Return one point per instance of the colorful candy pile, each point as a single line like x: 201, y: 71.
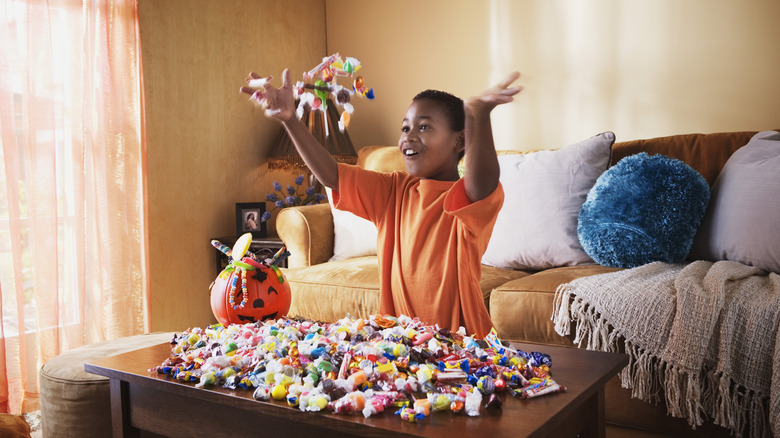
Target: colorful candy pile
x: 359, y: 365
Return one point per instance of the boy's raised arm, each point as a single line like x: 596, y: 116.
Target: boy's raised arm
x: 480, y: 161
x: 279, y: 104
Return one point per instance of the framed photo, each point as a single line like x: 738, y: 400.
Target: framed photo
x: 248, y: 216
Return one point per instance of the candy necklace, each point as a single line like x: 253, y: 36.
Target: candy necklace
x: 244, y: 296
x: 239, y: 250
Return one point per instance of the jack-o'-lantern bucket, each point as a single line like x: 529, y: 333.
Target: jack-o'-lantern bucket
x: 248, y: 290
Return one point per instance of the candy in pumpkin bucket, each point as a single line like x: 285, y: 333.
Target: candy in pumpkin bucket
x: 248, y: 289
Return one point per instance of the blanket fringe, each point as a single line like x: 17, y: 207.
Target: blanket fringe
x: 686, y: 395
x: 561, y: 303
x: 734, y: 407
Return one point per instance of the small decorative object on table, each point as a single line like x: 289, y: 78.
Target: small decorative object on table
x: 249, y: 219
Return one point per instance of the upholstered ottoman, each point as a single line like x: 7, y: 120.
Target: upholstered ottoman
x: 75, y: 403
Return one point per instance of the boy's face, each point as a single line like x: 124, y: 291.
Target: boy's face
x: 428, y: 143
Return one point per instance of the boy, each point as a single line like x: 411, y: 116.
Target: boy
x: 433, y: 226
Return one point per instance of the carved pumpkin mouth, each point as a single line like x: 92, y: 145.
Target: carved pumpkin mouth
x: 248, y: 318
x: 262, y: 295
x: 258, y: 303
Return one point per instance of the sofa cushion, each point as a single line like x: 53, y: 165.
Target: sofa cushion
x: 537, y: 225
x: 521, y: 309
x: 741, y: 222
x: 646, y: 208
x: 328, y: 291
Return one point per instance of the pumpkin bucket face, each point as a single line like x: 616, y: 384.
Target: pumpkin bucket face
x: 267, y: 294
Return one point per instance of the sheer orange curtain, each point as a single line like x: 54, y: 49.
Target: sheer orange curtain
x: 73, y: 268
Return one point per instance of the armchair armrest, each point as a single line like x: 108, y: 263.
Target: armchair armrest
x: 307, y: 231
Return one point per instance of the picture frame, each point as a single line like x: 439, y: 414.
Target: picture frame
x: 248, y: 216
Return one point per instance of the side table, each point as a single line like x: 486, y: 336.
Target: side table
x: 263, y: 247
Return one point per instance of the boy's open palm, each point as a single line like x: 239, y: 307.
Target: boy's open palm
x: 278, y: 103
x: 496, y: 95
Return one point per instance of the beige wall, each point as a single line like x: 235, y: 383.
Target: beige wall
x: 638, y: 68
x: 206, y: 144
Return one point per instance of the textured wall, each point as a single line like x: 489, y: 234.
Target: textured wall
x: 206, y: 144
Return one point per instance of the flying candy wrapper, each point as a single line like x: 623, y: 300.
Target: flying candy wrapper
x: 322, y: 81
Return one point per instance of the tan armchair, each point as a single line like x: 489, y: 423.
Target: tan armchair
x: 307, y: 231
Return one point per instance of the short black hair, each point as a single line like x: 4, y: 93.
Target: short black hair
x: 452, y: 105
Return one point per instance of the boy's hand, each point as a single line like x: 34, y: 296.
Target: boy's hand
x: 481, y: 163
x: 496, y: 95
x: 278, y: 103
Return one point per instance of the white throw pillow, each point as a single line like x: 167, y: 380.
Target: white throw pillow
x: 353, y: 235
x: 543, y: 194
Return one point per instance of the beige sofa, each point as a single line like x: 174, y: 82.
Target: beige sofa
x: 520, y: 301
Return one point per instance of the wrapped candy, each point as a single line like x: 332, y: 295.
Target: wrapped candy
x: 279, y: 392
x: 321, y: 82
x: 358, y: 378
x: 440, y: 402
x: 542, y: 390
x: 378, y: 402
x: 473, y: 400
x: 486, y: 385
x: 317, y: 402
x: 352, y: 402
x: 494, y: 402
x: 410, y: 415
x: 262, y: 392
x: 359, y: 365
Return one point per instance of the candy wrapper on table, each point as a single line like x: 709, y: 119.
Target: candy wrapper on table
x: 360, y: 366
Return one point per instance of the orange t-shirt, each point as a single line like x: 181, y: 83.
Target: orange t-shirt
x: 430, y: 244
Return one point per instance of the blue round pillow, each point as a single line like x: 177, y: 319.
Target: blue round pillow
x: 645, y: 208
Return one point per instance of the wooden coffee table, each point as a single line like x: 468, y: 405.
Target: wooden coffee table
x: 144, y: 400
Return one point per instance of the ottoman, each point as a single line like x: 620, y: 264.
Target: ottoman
x: 75, y: 403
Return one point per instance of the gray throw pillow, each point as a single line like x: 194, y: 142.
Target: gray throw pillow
x: 543, y: 193
x: 742, y: 223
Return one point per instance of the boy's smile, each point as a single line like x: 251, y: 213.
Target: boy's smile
x: 428, y: 143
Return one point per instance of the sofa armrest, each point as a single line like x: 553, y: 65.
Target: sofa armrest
x: 307, y: 231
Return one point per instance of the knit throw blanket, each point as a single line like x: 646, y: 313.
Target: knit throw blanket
x: 701, y: 336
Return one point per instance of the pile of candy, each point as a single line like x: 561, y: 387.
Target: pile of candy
x: 359, y: 365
